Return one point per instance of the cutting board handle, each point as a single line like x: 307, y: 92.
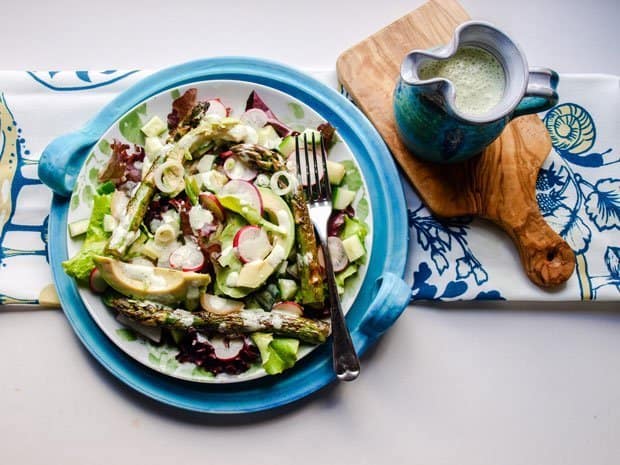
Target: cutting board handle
x: 547, y: 258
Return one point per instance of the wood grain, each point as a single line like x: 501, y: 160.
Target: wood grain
x: 498, y: 185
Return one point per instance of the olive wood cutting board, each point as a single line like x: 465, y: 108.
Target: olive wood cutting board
x: 499, y: 185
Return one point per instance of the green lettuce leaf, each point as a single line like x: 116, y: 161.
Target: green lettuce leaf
x: 352, y: 178
x: 277, y: 353
x: 342, y: 276
x: 81, y: 265
x: 354, y: 226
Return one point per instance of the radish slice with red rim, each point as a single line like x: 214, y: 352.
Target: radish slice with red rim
x: 254, y: 117
x: 245, y: 191
x: 96, y: 282
x: 321, y: 257
x: 337, y: 253
x: 216, y: 108
x: 290, y: 307
x: 236, y: 169
x: 252, y: 243
x: 227, y: 348
x: 187, y: 258
x: 214, y: 304
x: 211, y: 203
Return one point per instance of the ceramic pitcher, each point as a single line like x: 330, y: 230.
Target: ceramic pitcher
x: 426, y: 117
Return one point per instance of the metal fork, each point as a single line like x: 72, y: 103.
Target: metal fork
x: 319, y: 199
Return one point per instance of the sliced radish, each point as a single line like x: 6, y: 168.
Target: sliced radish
x: 252, y: 243
x: 291, y: 164
x: 255, y: 118
x: 227, y: 348
x: 211, y: 203
x: 217, y: 108
x: 246, y: 192
x: 236, y: 169
x: 290, y: 307
x: 214, y: 304
x: 321, y: 257
x: 187, y: 258
x: 337, y: 253
x: 96, y: 282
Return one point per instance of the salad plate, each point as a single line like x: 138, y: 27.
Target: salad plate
x: 145, y: 344
x: 375, y: 300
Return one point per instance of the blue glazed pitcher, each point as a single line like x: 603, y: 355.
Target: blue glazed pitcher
x: 427, y: 119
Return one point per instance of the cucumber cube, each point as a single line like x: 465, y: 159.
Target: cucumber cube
x: 206, y: 163
x: 342, y: 198
x: 155, y: 127
x: 287, y: 146
x: 288, y: 288
x: 353, y: 247
x: 335, y: 172
x: 152, y: 147
x: 77, y: 228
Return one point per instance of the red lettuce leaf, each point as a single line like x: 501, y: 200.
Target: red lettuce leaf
x: 182, y: 107
x: 254, y: 101
x: 121, y: 166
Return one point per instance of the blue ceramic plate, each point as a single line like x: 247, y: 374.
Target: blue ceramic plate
x: 383, y: 294
x: 234, y: 94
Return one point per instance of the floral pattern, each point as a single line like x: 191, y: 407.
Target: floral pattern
x: 575, y: 206
x: 16, y: 162
x: 64, y: 81
x: 450, y: 257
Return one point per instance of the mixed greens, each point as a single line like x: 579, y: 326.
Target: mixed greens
x: 199, y: 237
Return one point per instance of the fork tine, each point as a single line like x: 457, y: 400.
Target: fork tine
x: 326, y: 184
x: 320, y: 194
x: 308, y: 178
x: 298, y: 165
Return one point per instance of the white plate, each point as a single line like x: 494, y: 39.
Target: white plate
x: 234, y: 95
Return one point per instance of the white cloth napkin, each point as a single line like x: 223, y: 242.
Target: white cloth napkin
x: 578, y: 190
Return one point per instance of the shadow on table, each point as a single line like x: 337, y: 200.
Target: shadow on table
x: 329, y: 397
x: 581, y: 309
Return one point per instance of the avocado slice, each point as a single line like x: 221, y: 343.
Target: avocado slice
x: 278, y: 212
x: 152, y: 283
x: 254, y: 274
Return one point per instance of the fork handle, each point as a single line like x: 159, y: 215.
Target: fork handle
x: 346, y: 362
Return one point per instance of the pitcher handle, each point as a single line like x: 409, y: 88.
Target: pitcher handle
x: 540, y: 94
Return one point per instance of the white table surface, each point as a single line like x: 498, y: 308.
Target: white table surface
x: 459, y: 384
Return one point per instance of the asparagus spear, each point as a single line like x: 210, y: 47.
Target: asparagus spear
x: 311, y: 291
x: 244, y: 321
x: 260, y: 157
x: 124, y: 235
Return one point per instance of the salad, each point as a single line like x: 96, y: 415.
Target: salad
x: 199, y: 237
